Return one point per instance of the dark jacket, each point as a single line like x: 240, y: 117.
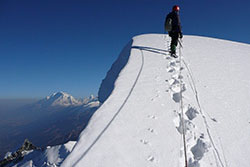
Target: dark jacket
x: 176, y: 24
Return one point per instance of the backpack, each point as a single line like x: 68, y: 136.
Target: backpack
x: 168, y: 24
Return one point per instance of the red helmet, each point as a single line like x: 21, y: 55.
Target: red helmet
x: 176, y: 8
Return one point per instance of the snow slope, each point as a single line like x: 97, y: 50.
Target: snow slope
x: 140, y: 122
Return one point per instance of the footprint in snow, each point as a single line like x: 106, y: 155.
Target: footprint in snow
x: 193, y: 163
x: 144, y: 142
x: 151, y: 130
x: 213, y: 119
x: 177, y: 76
x: 176, y: 97
x: 170, y: 69
x: 151, y: 158
x: 199, y: 149
x: 179, y: 68
x: 188, y: 125
x: 191, y: 112
x: 152, y: 117
x: 172, y: 63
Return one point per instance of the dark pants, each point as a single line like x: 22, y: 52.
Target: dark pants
x: 174, y: 41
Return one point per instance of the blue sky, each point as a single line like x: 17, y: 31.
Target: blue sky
x: 63, y: 45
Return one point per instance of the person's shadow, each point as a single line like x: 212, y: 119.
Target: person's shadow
x: 150, y: 49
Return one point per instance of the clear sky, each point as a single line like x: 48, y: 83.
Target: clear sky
x: 68, y: 45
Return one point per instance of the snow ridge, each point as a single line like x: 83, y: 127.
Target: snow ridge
x: 147, y: 130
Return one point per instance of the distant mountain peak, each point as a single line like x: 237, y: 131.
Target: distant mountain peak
x: 89, y: 99
x: 60, y: 99
x: 61, y: 93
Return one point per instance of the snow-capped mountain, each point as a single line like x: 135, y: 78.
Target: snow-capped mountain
x: 151, y: 102
x: 60, y: 99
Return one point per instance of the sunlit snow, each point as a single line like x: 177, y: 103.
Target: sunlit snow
x: 139, y: 124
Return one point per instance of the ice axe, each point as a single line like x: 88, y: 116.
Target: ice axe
x: 180, y: 42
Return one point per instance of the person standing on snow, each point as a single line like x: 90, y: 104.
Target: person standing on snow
x: 173, y: 26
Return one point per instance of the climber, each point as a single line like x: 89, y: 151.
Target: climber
x: 173, y: 26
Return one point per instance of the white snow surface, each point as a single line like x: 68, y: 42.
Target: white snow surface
x: 140, y: 122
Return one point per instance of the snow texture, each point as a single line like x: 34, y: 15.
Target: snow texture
x: 141, y: 123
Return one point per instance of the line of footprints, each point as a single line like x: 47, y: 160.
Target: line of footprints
x: 150, y: 158
x: 196, y: 143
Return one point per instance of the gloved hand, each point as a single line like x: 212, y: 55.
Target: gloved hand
x: 180, y: 35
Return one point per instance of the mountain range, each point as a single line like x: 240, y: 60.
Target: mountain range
x: 54, y: 120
